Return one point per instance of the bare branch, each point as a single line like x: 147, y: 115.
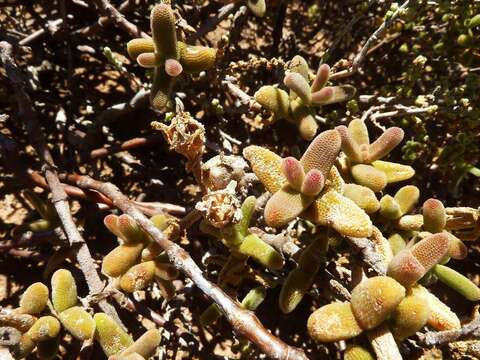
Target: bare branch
x: 59, y: 197
x: 243, y: 321
x: 109, y: 11
x: 360, y: 57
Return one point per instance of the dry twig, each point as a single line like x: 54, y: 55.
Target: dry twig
x: 243, y: 321
x: 59, y: 197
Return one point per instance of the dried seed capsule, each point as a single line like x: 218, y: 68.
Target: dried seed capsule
x: 78, y: 322
x: 274, y: 99
x: 363, y: 196
x: 393, y: 171
x: 47, y: 350
x: 333, y: 322
x: 407, y: 197
x: 64, y: 290
x: 34, y: 299
x: 389, y: 208
x: 441, y: 317
x: 385, y: 143
x: 138, y: 277
x: 357, y: 352
x: 434, y: 216
x: 136, y: 47
x: 120, y: 259
x: 370, y: 177
x: 110, y: 335
x: 261, y: 252
x: 457, y: 282
x: 24, y: 347
x: 375, y: 299
x: 299, y: 85
x: 45, y: 328
x: 410, y: 316
x: 145, y: 345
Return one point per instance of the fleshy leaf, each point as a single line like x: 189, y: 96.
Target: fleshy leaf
x: 394, y: 172
x: 341, y: 213
x: 267, y: 166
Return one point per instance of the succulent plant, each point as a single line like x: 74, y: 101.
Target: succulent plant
x: 410, y: 316
x: 411, y: 264
x: 374, y: 299
x: 441, y: 316
x: 78, y: 322
x: 301, y: 278
x: 138, y: 261
x: 112, y: 338
x: 64, y: 290
x: 357, y: 352
x: 48, y: 221
x: 167, y: 56
x: 45, y: 328
x: 329, y: 207
x: 372, y: 302
x: 333, y: 322
x: 34, y: 299
x: 457, y: 282
x: 251, y: 301
x: 238, y: 238
x: 298, y: 106
x: 365, y: 165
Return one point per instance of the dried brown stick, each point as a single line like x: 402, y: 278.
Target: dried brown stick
x: 102, y: 21
x: 108, y: 10
x: 59, y: 197
x: 360, y: 57
x: 243, y: 321
x: 126, y: 145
